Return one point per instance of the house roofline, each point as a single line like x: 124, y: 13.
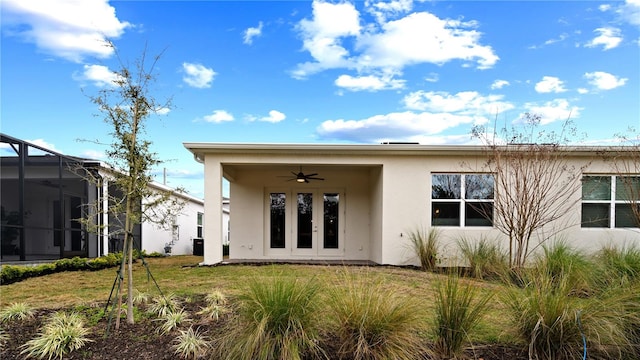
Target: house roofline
x: 199, y: 149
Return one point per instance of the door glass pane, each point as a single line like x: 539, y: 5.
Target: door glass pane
x: 277, y: 207
x: 305, y: 220
x: 596, y: 188
x: 331, y: 211
x: 595, y: 215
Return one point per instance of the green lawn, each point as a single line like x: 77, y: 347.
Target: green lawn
x: 182, y: 276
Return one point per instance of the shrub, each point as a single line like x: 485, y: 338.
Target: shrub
x: 12, y: 273
x: 618, y: 266
x: 164, y: 304
x: 562, y: 263
x: 190, y: 344
x: 277, y: 320
x: 425, y: 245
x: 16, y: 311
x: 555, y: 324
x: 485, y: 258
x: 369, y: 321
x: 61, y: 334
x: 458, y: 310
x: 172, y: 320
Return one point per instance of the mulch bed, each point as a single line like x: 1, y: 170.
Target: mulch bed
x: 141, y: 341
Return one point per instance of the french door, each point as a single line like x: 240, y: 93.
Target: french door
x: 307, y: 222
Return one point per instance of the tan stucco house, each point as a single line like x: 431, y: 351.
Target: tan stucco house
x: 358, y: 202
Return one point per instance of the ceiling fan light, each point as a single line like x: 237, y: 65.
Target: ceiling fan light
x: 300, y: 179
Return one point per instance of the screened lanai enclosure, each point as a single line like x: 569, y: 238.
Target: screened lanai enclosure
x: 44, y: 195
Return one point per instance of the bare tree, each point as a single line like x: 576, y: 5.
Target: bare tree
x: 535, y: 184
x: 126, y: 106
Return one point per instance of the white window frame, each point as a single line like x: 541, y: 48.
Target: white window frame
x: 462, y: 201
x: 612, y: 202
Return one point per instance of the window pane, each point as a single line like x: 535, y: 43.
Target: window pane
x: 278, y: 203
x: 628, y: 188
x: 478, y: 186
x: 445, y: 186
x: 478, y: 214
x: 596, y: 188
x: 625, y: 217
x: 200, y: 218
x: 305, y: 220
x: 331, y: 209
x: 445, y: 213
x: 595, y: 215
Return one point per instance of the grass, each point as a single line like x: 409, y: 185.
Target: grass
x: 485, y: 258
x: 17, y: 311
x: 459, y: 309
x: 61, y: 334
x: 278, y: 319
x: 190, y: 344
x: 373, y: 321
x: 425, y: 244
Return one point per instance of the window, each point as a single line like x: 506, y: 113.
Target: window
x: 462, y: 199
x: 608, y: 201
x: 277, y: 207
x: 199, y: 231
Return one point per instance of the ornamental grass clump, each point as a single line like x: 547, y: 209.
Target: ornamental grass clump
x: 62, y: 333
x: 190, y: 344
x: 459, y: 307
x: 172, y: 320
x: 561, y: 262
x: 370, y: 321
x: 164, y: 304
x: 424, y: 243
x: 277, y: 319
x: 618, y: 266
x: 557, y: 324
x: 485, y: 258
x: 17, y: 311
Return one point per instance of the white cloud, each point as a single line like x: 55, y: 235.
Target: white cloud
x: 43, y: 144
x: 583, y: 91
x: 433, y: 77
x: 252, y: 32
x: 99, y: 75
x: 197, y: 75
x: 604, y: 81
x: 71, y: 29
x: 630, y: 12
x: 550, y: 84
x: 554, y: 110
x: 162, y: 111
x: 424, y: 38
x: 609, y: 38
x: 604, y: 7
x: 218, y: 116
x: 387, y: 46
x: 391, y: 127
x: 275, y: 116
x: 321, y: 36
x: 465, y: 103
x: 94, y: 154
x: 499, y: 84
x: 369, y: 82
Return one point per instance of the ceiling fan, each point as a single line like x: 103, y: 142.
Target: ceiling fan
x: 302, y: 177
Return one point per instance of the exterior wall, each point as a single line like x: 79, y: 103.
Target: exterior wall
x: 386, y: 195
x: 155, y: 238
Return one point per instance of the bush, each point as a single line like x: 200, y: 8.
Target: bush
x: 278, y: 319
x: 618, y: 266
x: 61, y: 334
x: 485, y: 258
x: 425, y: 245
x: 555, y: 324
x: 372, y: 322
x: 190, y: 344
x: 16, y: 311
x: 562, y: 263
x: 459, y: 308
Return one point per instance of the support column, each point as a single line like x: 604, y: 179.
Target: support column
x: 105, y: 215
x: 213, y: 230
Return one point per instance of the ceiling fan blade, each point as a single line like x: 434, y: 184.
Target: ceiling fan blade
x: 314, y: 178
x: 310, y: 175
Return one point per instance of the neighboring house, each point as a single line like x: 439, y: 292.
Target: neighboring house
x: 43, y: 193
x: 366, y: 198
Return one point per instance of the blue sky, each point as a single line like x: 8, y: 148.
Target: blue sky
x: 319, y: 71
